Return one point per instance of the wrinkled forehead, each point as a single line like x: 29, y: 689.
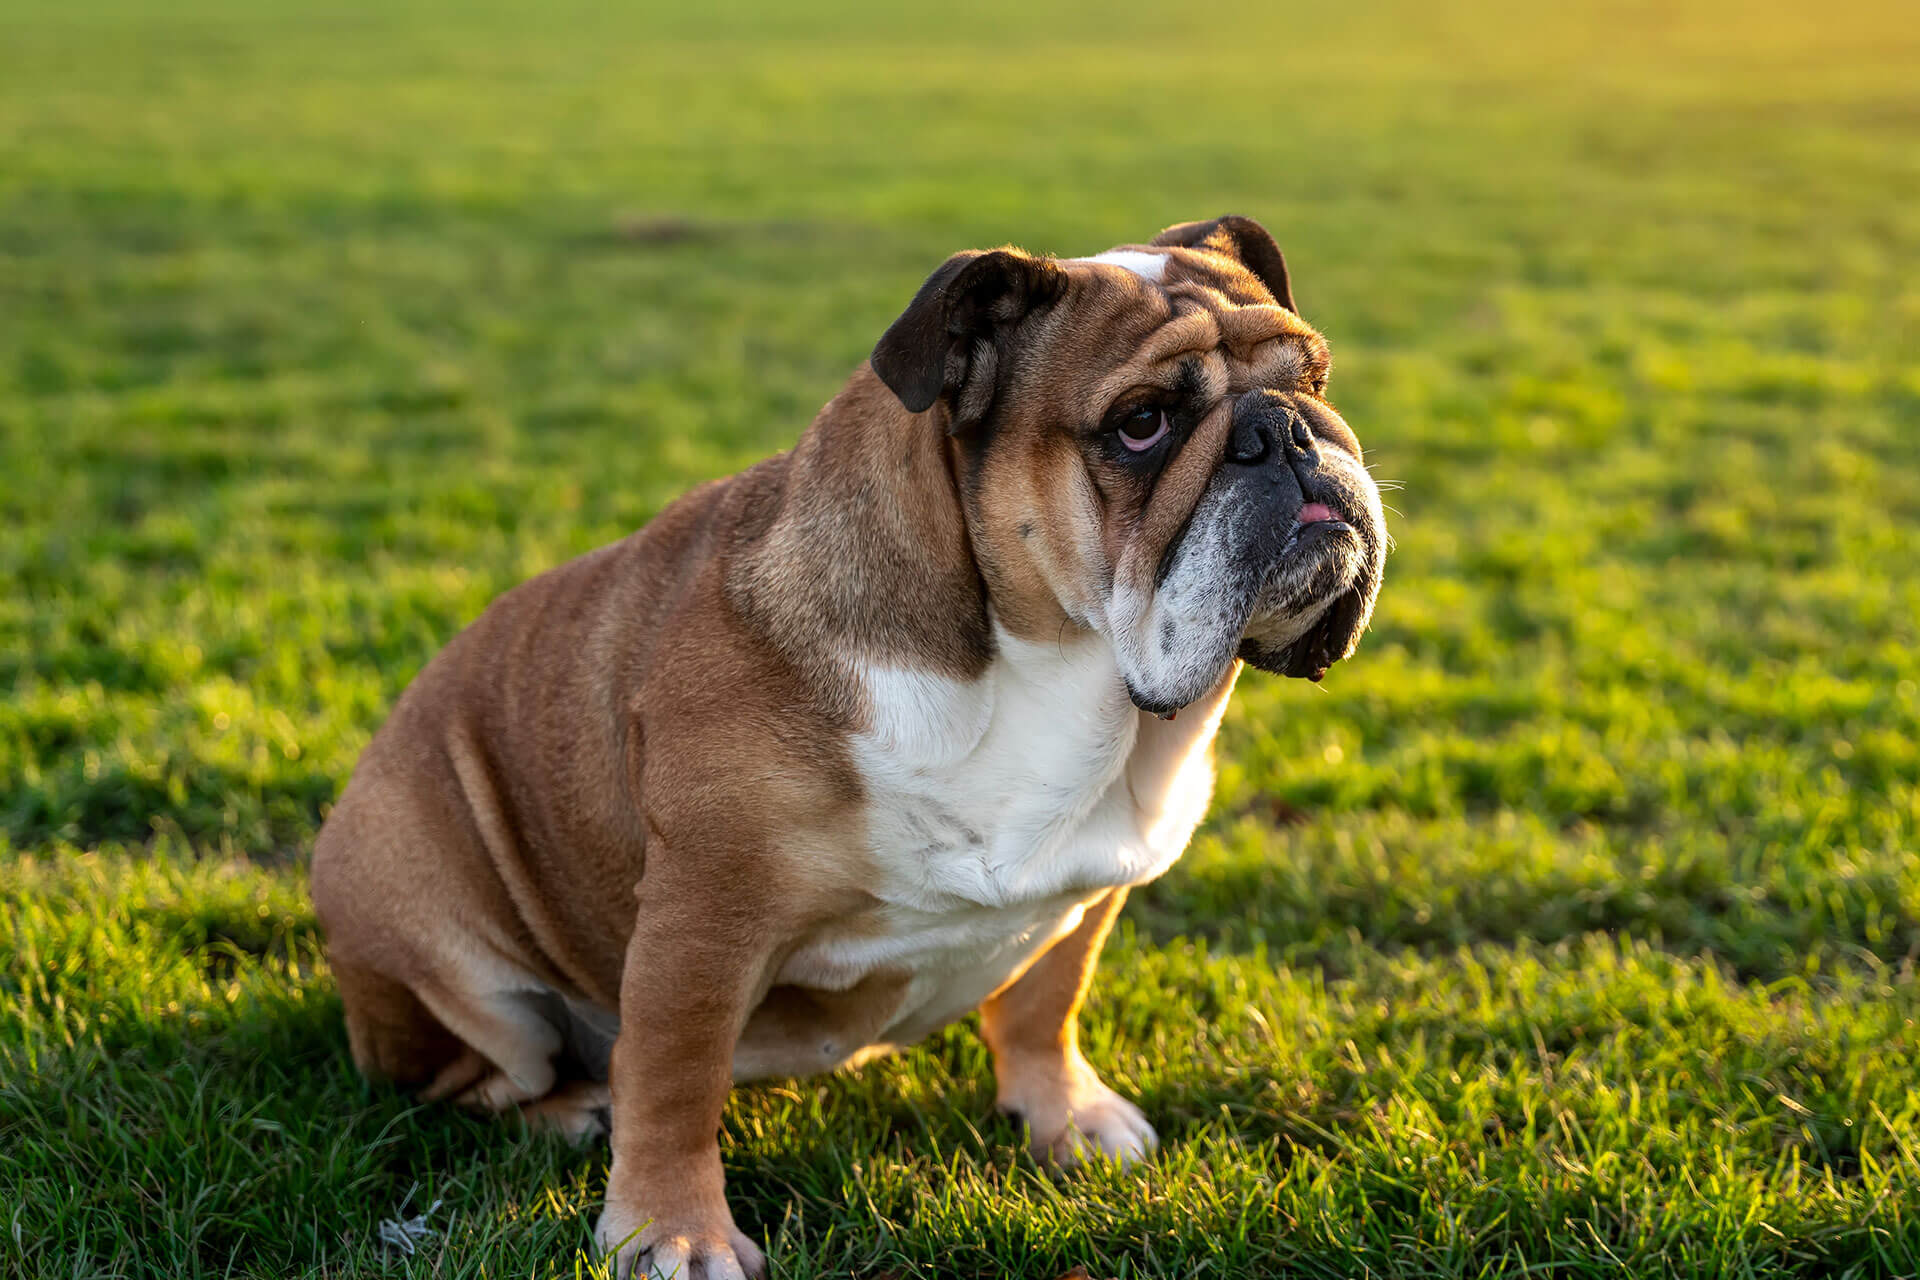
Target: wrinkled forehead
x: 1145, y: 314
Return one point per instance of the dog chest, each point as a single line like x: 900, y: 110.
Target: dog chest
x: 996, y: 811
x: 1038, y: 779
x: 888, y: 978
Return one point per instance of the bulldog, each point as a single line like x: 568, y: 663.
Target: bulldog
x: 869, y: 736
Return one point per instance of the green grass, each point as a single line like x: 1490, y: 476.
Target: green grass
x: 1568, y: 930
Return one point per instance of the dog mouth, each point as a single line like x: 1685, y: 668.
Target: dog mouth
x: 1260, y: 571
x: 1317, y: 555
x: 1317, y: 530
x: 1317, y: 517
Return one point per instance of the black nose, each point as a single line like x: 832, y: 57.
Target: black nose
x: 1262, y: 420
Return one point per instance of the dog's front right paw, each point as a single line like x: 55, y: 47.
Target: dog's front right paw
x: 645, y: 1248
x: 1071, y: 1115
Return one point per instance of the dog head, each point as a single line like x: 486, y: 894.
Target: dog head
x: 1144, y: 449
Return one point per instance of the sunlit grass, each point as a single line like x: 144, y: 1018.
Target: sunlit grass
x: 1569, y: 928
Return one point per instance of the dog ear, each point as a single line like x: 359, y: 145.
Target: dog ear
x: 1242, y: 239
x: 948, y: 343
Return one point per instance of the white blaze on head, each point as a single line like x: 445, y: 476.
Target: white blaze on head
x: 1148, y: 266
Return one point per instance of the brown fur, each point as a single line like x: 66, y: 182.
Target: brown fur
x: 628, y: 785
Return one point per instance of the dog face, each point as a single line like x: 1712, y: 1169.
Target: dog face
x: 1144, y: 449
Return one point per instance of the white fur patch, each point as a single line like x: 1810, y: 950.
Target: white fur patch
x: 919, y: 719
x: 1003, y: 771
x: 1148, y: 266
x: 997, y: 809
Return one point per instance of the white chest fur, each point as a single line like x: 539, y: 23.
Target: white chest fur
x: 997, y: 809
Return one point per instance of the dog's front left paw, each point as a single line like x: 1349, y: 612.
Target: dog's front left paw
x: 647, y: 1249
x: 1074, y: 1116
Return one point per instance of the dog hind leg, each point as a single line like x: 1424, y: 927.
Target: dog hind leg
x: 579, y: 1112
x: 392, y: 1034
x: 489, y: 1051
x: 507, y: 1029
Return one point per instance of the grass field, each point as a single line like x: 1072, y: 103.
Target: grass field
x: 1568, y: 930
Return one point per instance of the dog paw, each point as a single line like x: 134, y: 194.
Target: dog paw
x: 648, y: 1250
x: 1083, y: 1121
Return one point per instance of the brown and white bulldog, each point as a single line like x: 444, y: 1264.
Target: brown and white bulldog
x: 871, y: 735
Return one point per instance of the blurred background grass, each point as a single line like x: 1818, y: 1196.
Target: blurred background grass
x: 1570, y: 924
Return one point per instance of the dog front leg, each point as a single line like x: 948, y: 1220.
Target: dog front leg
x: 693, y: 968
x: 1032, y: 1026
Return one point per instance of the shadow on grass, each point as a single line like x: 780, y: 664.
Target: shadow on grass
x: 1763, y: 931
x: 91, y: 803
x: 246, y: 1142
x: 182, y: 1091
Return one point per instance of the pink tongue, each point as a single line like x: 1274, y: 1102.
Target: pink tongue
x: 1315, y: 512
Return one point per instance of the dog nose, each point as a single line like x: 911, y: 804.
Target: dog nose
x: 1300, y: 435
x: 1247, y: 442
x: 1263, y: 419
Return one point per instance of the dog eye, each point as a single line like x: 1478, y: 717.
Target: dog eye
x: 1142, y: 429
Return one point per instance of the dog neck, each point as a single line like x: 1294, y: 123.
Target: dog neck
x: 860, y: 550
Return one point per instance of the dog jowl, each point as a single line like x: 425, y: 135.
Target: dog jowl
x: 869, y: 736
